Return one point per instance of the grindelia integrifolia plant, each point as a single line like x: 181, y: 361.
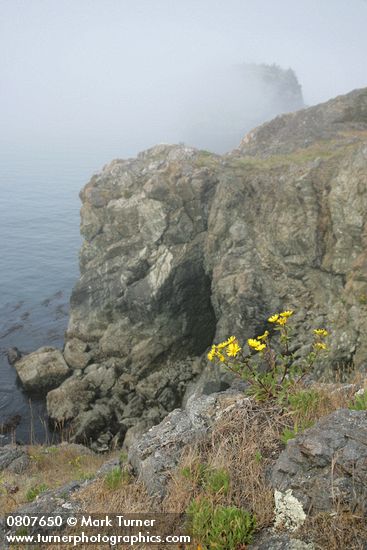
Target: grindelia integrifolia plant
x: 270, y: 374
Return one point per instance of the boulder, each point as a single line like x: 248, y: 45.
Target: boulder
x: 268, y: 539
x: 42, y: 370
x: 14, y: 459
x: 100, y: 378
x: 13, y: 355
x: 67, y: 401
x: 92, y: 423
x: 325, y: 467
x: 76, y: 354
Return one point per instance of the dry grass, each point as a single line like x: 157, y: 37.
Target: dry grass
x: 336, y: 531
x: 328, y: 398
x: 244, y: 443
x: 97, y: 499
x: 50, y: 466
x: 130, y: 497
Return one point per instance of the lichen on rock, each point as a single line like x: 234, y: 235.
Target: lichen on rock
x: 289, y: 513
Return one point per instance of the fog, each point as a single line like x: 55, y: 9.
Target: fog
x: 112, y: 77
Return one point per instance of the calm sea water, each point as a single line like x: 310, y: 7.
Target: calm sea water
x: 39, y: 243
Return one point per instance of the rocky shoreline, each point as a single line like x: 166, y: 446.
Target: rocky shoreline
x: 183, y: 248
x: 27, y: 326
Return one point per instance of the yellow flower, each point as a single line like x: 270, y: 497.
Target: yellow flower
x: 263, y: 336
x: 321, y: 332
x: 260, y: 347
x: 252, y: 343
x: 255, y: 344
x: 286, y: 313
x: 222, y: 345
x: 233, y: 349
x: 230, y: 340
x: 274, y: 318
x: 320, y: 345
x: 281, y: 321
x: 212, y: 353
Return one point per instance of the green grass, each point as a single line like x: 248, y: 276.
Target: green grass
x: 323, y: 149
x: 359, y: 402
x: 304, y: 402
x: 220, y: 527
x: 288, y: 433
x: 205, y: 159
x: 35, y: 491
x: 216, y: 481
x: 213, y: 480
x: 116, y: 477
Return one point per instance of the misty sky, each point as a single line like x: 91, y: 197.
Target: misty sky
x: 123, y: 73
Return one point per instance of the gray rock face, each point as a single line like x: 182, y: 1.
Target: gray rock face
x: 13, y: 458
x: 270, y: 540
x: 42, y: 370
x: 326, y: 466
x: 327, y: 121
x: 76, y: 354
x: 67, y: 401
x: 158, y: 451
x: 13, y: 355
x: 182, y: 247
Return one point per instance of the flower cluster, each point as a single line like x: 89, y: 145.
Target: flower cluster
x: 229, y: 347
x: 319, y: 344
x: 272, y: 371
x: 321, y: 332
x: 258, y: 344
x: 280, y: 318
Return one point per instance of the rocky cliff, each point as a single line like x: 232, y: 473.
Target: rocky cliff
x: 183, y: 247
